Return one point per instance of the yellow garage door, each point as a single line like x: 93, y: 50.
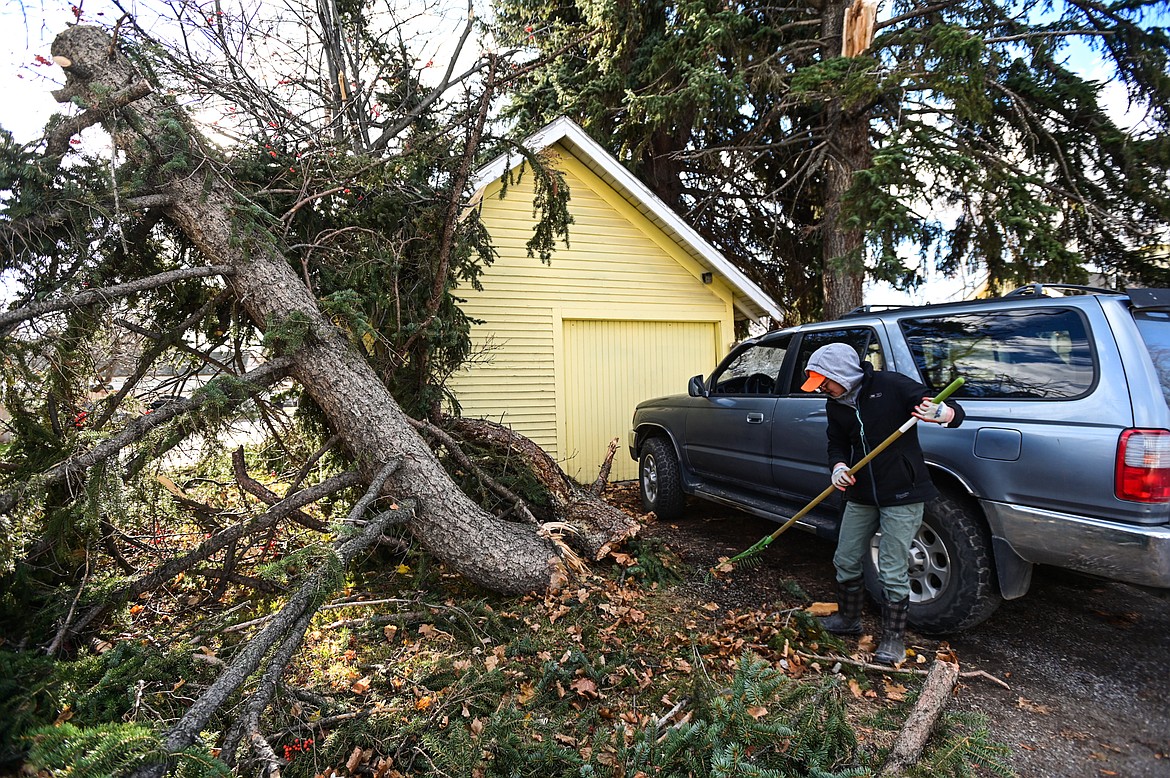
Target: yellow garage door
x: 611, y: 366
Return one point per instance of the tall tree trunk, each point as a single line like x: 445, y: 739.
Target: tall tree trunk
x: 503, y: 556
x: 843, y: 248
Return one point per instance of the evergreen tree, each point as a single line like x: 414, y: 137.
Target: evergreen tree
x: 961, y: 132
x: 312, y: 210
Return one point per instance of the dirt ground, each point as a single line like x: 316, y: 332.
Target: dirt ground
x: 1087, y: 662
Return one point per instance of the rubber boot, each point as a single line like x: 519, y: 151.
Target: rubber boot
x: 892, y: 649
x: 850, y: 600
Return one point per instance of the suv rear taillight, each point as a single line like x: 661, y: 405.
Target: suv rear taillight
x: 1143, y: 466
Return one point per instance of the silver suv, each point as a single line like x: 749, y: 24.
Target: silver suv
x: 1064, y: 457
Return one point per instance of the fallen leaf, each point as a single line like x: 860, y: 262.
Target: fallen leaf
x: 390, y: 630
x: 757, y: 712
x: 527, y: 692
x: 855, y: 688
x: 424, y: 702
x: 895, y: 691
x: 476, y: 727
x: 361, y: 686
x: 584, y: 687
x: 65, y: 714
x: 710, y: 606
x: 822, y: 608
x: 1123, y: 620
x: 867, y: 643
x: 1032, y: 707
x: 169, y: 485
x: 607, y: 758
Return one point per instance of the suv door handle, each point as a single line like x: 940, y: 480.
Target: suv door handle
x: 755, y: 418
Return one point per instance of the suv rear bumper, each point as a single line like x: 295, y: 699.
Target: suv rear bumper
x: 1122, y: 552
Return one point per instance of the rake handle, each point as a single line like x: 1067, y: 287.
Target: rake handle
x: 865, y: 460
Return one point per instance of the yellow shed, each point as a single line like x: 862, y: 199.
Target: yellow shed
x: 635, y: 305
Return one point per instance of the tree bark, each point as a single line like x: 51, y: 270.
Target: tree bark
x: 505, y: 557
x: 936, y: 693
x: 843, y: 247
x: 598, y: 524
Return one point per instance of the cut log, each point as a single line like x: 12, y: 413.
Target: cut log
x: 936, y: 693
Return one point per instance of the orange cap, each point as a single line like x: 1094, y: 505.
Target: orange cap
x: 813, y: 381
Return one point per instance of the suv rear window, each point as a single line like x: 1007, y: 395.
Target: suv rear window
x: 1040, y: 353
x: 1154, y: 327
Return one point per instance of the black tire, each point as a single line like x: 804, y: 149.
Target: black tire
x: 952, y: 571
x: 660, y: 479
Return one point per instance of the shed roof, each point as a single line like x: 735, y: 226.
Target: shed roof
x: 749, y: 299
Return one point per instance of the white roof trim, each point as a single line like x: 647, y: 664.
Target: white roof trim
x: 565, y: 128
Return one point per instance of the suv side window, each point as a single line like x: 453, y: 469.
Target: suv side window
x: 863, y: 339
x: 1154, y: 327
x: 754, y: 370
x: 1037, y: 353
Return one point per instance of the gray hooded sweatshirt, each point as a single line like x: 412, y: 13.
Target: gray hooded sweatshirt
x: 839, y: 362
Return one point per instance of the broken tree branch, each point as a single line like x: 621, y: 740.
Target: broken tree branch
x: 147, y: 358
x: 266, y: 495
x: 598, y: 486
x: 203, y: 551
x: 598, y: 526
x: 58, y: 141
x: 459, y: 455
x: 10, y: 319
x: 903, y: 670
x: 287, y: 628
x: 76, y: 465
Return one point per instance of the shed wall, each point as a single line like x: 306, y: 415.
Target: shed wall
x: 618, y: 267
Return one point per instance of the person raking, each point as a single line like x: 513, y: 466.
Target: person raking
x: 864, y: 407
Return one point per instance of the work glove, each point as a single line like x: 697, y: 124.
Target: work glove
x: 841, y: 477
x: 935, y: 413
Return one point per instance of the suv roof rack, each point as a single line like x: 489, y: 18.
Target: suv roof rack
x: 1040, y: 290
x: 861, y: 310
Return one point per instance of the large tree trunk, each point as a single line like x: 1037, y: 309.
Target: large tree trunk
x: 503, y: 556
x: 843, y: 248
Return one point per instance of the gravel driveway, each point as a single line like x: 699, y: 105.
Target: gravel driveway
x: 1087, y: 662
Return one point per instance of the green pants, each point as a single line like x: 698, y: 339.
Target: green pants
x: 898, y: 525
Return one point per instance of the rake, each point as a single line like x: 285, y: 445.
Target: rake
x: 748, y: 556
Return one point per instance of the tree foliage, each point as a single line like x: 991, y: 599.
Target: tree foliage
x: 987, y: 143
x: 349, y: 156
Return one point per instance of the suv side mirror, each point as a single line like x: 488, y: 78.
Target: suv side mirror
x: 695, y: 387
